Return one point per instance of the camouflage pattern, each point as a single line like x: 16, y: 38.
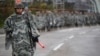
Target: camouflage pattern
x: 17, y: 34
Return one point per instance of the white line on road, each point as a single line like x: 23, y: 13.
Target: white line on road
x: 56, y: 48
x: 72, y: 36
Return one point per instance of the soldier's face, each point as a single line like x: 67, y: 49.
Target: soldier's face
x: 19, y: 10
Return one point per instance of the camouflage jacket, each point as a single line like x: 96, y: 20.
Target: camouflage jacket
x: 17, y: 31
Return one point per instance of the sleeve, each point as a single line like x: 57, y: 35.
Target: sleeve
x: 8, y: 31
x: 35, y: 32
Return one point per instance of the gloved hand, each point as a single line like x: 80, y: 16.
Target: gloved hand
x: 35, y: 39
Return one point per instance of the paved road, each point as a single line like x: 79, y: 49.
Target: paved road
x: 81, y: 41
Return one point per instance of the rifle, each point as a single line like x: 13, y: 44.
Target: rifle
x: 30, y: 32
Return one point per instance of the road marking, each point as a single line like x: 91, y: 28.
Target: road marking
x: 56, y: 48
x: 2, y: 35
x: 82, y: 33
x: 72, y: 36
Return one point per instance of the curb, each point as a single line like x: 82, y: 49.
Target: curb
x: 2, y: 31
x: 2, y: 35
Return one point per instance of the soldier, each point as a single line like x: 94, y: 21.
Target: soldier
x: 49, y: 20
x: 21, y: 33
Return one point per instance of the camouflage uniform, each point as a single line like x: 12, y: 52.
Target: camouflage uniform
x: 17, y: 34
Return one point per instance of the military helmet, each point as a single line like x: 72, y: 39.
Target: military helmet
x: 19, y: 5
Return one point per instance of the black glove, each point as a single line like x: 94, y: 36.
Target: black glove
x: 35, y: 39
